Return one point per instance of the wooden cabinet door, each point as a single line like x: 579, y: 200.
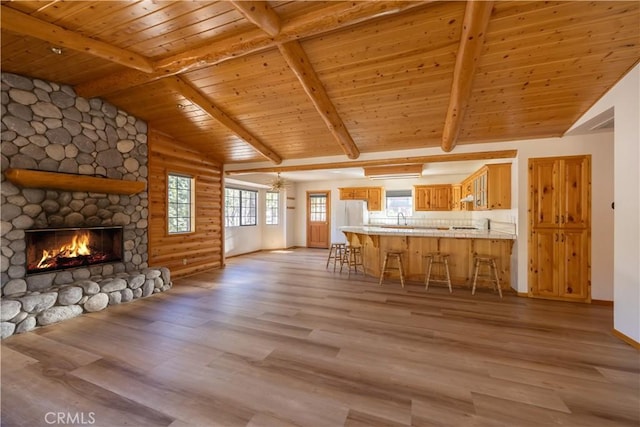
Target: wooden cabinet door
x: 543, y: 268
x: 480, y: 191
x: 346, y: 193
x: 573, y: 260
x: 544, y: 192
x: 440, y: 198
x: 467, y: 190
x: 421, y: 198
x: 499, y: 186
x: 374, y: 199
x: 360, y: 193
x: 574, y: 199
x: 432, y: 197
x: 456, y: 195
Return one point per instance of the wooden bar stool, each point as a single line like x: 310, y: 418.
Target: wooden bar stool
x: 397, y: 255
x: 489, y: 261
x: 352, y: 256
x: 335, y: 254
x: 441, y: 259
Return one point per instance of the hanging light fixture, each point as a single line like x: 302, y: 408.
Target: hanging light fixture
x: 278, y: 184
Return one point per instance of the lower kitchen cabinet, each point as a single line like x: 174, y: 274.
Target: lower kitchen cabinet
x: 558, y: 264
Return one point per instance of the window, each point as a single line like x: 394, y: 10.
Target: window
x: 318, y: 207
x: 399, y: 202
x: 180, y: 199
x: 240, y: 207
x: 272, y: 211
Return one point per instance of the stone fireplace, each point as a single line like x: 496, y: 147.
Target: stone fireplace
x: 46, y: 127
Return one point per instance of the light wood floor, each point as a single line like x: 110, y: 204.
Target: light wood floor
x: 274, y: 339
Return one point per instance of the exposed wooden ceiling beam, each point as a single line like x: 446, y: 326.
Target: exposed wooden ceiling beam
x: 260, y: 14
x: 474, y: 27
x: 341, y: 15
x: 21, y: 23
x: 437, y: 158
x: 299, y: 63
x: 179, y: 85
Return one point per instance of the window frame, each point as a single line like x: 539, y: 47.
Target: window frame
x: 191, y: 205
x: 241, y: 220
x: 408, y: 194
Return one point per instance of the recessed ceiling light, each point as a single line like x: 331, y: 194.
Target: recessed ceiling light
x: 180, y: 106
x: 56, y: 50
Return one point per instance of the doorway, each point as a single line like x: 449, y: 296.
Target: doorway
x: 318, y: 219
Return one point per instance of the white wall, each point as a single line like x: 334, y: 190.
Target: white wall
x: 625, y: 99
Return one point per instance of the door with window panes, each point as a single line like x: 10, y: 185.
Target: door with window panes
x: 318, y: 225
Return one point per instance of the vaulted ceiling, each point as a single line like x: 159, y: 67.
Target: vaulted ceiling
x: 253, y: 81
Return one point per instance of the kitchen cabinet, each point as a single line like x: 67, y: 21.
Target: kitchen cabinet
x: 374, y: 198
x: 560, y: 228
x: 353, y: 193
x: 432, y: 197
x: 372, y: 195
x: 467, y: 192
x: 456, y: 196
x: 491, y: 187
x: 559, y: 189
x: 559, y: 264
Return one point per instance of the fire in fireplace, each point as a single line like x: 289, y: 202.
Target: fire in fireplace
x: 61, y: 248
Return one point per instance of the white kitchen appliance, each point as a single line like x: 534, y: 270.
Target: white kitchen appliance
x: 348, y: 213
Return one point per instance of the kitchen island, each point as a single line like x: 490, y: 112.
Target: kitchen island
x: 414, y: 242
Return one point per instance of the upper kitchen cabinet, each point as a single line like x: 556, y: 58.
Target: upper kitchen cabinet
x: 456, y: 197
x: 372, y: 195
x: 353, y: 193
x: 559, y: 191
x: 374, y: 198
x: 490, y: 187
x: 432, y: 197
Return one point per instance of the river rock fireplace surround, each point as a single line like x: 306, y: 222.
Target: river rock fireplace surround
x: 47, y: 128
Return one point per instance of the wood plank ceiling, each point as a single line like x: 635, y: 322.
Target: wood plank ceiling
x: 253, y: 81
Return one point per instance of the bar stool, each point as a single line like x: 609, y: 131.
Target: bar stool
x: 491, y: 263
x: 335, y: 254
x: 397, y: 255
x: 352, y: 256
x: 441, y: 259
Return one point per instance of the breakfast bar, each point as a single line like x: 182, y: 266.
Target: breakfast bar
x: 414, y: 242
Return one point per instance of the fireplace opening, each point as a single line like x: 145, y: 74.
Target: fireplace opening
x: 62, y: 248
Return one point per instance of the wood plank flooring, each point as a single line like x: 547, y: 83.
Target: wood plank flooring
x: 274, y: 339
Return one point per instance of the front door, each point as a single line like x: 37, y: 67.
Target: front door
x: 318, y: 225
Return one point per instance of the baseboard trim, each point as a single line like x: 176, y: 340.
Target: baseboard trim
x: 523, y: 294
x: 602, y: 302
x: 633, y: 343
x: 244, y: 253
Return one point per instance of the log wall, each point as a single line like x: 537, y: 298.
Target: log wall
x: 187, y: 253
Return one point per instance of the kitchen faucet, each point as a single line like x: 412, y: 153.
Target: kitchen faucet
x: 405, y: 218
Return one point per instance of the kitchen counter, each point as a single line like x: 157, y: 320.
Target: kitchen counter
x: 415, y: 242
x: 388, y: 230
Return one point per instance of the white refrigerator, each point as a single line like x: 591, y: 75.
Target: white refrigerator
x: 348, y: 213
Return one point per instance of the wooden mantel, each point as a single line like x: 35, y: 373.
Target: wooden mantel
x: 72, y: 182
